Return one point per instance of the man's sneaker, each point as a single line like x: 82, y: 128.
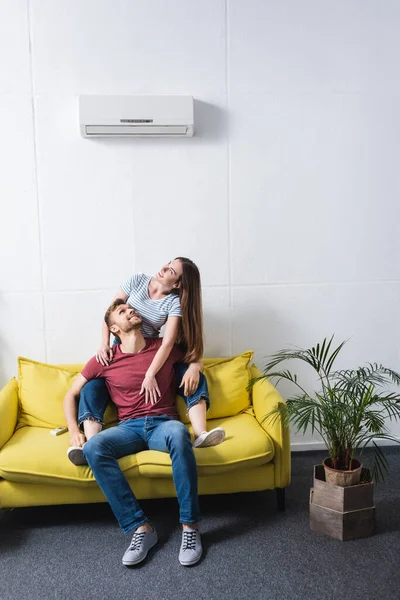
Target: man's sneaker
x: 76, y: 456
x: 191, y: 550
x: 210, y: 438
x: 141, y: 543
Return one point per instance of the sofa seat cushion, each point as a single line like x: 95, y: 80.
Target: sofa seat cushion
x: 32, y: 455
x: 246, y: 445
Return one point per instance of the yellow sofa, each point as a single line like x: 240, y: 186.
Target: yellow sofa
x: 35, y: 470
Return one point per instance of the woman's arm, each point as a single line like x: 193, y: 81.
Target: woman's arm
x: 190, y: 380
x: 105, y: 354
x: 149, y: 386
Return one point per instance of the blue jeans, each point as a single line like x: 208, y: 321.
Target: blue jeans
x: 129, y: 437
x: 94, y: 395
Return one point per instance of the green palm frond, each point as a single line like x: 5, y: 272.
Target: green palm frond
x: 333, y: 356
x: 390, y: 405
x: 373, y: 373
x: 378, y: 465
x: 303, y: 413
x: 279, y: 413
x: 374, y: 421
x: 286, y: 354
x: 379, y: 468
x: 317, y: 357
x: 277, y: 376
x: 254, y: 380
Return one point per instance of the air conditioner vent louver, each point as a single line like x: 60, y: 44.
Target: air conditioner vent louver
x: 110, y: 130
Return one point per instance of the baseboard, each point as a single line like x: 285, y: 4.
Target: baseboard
x: 307, y: 446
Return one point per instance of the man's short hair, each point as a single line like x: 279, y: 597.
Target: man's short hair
x: 110, y: 310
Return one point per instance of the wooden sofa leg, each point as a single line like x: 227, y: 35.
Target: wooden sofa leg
x: 280, y: 497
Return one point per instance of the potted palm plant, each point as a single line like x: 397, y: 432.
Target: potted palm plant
x: 349, y: 410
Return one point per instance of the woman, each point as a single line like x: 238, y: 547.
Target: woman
x: 172, y: 297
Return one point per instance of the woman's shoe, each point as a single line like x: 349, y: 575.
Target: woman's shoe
x: 210, y: 438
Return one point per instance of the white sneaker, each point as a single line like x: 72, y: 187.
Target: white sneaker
x: 210, y: 438
x: 76, y: 456
x: 191, y: 549
x: 139, y: 547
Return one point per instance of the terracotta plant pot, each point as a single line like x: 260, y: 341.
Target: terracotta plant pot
x: 342, y: 478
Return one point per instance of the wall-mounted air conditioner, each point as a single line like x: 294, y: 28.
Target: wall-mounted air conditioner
x: 136, y: 116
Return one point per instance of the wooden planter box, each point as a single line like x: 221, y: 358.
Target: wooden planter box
x: 344, y: 513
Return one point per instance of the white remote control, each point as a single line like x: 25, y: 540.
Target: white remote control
x: 58, y: 431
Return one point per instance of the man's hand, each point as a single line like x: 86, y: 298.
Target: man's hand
x: 150, y: 389
x: 190, y: 380
x: 76, y: 438
x: 105, y: 355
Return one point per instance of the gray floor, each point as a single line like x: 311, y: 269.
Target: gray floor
x: 251, y: 551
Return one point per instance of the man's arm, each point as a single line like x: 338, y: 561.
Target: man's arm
x: 76, y: 438
x: 105, y: 354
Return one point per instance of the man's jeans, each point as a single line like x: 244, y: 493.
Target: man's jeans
x: 94, y: 395
x: 129, y: 437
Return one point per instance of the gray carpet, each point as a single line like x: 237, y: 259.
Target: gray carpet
x: 251, y: 551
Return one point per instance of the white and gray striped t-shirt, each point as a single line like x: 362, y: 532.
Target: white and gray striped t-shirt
x: 153, y: 312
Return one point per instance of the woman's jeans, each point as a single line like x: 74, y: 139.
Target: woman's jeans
x: 94, y: 395
x: 134, y: 435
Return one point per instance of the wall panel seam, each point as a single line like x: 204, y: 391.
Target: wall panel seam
x: 228, y: 175
x: 36, y: 174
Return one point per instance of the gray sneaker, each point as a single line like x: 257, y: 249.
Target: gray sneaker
x: 191, y: 549
x: 76, y: 456
x: 141, y: 543
x: 210, y: 438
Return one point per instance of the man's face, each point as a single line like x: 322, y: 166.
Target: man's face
x: 125, y: 319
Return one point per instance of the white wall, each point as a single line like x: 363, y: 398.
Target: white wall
x: 287, y: 197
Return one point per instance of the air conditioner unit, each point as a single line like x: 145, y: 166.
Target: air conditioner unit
x: 136, y: 116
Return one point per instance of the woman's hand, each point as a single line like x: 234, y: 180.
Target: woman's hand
x: 105, y: 355
x: 76, y: 438
x: 150, y: 389
x: 190, y: 380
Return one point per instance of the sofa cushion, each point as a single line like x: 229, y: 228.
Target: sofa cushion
x: 32, y: 455
x: 246, y: 445
x: 42, y: 388
x: 227, y: 380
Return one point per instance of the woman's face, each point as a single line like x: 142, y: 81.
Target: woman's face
x: 169, y: 275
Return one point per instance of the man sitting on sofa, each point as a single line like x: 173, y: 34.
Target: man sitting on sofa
x: 142, y: 426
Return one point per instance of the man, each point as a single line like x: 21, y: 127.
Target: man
x: 142, y: 426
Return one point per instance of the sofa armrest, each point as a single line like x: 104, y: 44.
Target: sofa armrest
x: 8, y: 410
x: 266, y: 399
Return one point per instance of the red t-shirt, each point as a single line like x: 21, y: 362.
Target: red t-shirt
x: 124, y: 377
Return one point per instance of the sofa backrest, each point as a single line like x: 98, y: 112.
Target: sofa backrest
x: 42, y: 388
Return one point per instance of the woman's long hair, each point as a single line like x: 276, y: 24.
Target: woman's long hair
x: 191, y: 330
